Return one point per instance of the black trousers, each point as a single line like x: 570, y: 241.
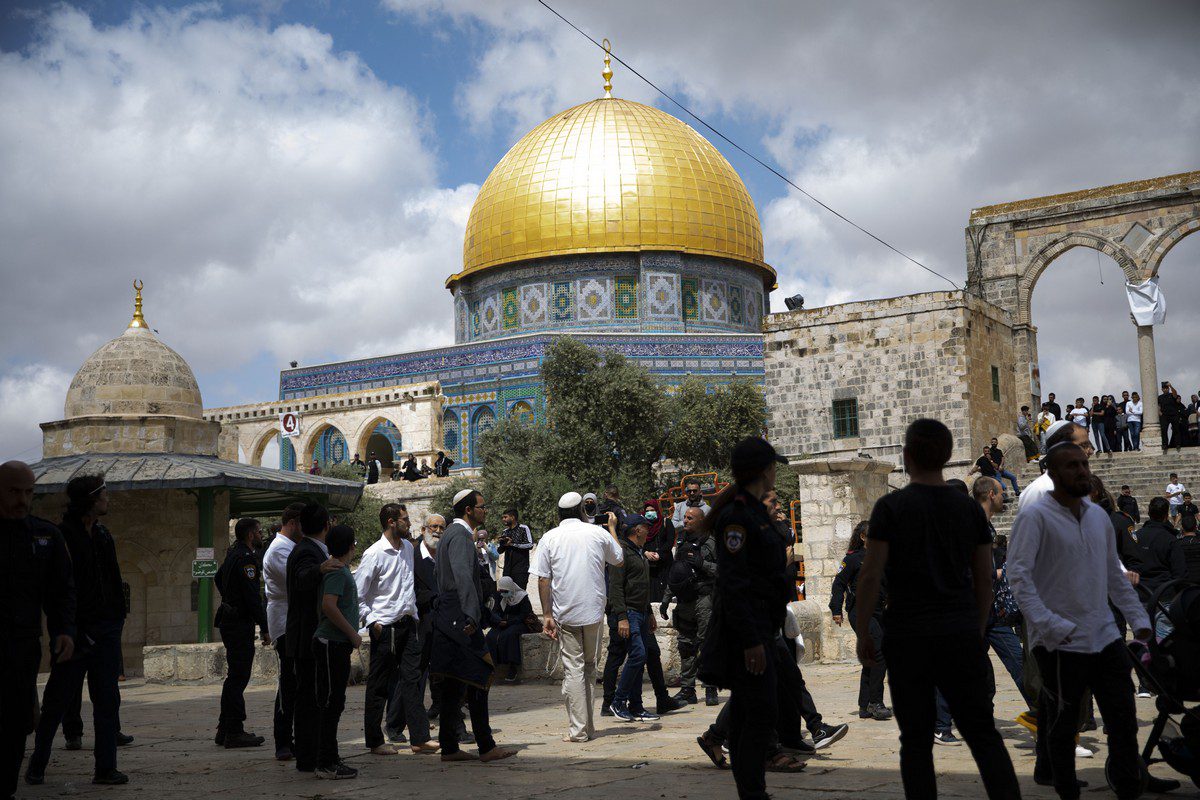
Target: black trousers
x: 285, y: 697
x: 453, y: 691
x: 396, y: 650
x: 795, y: 703
x: 618, y: 649
x: 332, y: 675
x: 753, y: 715
x: 1066, y: 679
x: 305, y: 710
x: 956, y: 664
x: 72, y: 724
x: 238, y: 639
x: 100, y: 662
x: 870, y: 680
x: 19, y: 662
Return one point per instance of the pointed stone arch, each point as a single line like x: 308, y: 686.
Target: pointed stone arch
x: 1166, y: 240
x: 1046, y: 256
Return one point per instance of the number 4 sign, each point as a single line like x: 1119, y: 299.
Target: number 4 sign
x: 289, y: 424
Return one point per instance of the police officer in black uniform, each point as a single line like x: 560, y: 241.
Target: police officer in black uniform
x: 240, y: 582
x: 845, y: 587
x: 37, y: 578
x: 750, y: 605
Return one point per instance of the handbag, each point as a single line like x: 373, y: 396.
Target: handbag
x: 1004, y: 605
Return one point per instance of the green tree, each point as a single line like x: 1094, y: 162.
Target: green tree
x: 707, y: 423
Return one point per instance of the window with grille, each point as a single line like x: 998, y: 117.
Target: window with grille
x: 845, y: 418
x: 996, y: 384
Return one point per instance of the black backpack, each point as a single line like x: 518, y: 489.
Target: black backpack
x: 682, y: 577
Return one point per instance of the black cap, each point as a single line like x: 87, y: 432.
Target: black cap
x: 753, y: 455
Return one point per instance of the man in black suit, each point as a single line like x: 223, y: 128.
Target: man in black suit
x: 306, y: 565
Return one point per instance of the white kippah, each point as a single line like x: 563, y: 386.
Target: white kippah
x: 570, y: 500
x: 1058, y: 426
x: 464, y: 494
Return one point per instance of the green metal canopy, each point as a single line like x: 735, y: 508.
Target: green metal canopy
x: 253, y: 491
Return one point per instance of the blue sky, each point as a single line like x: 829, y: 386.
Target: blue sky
x: 291, y: 177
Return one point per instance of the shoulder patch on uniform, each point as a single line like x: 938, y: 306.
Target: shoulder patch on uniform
x: 250, y: 571
x: 842, y: 565
x: 735, y: 537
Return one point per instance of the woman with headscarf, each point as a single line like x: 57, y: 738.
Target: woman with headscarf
x: 511, y: 616
x: 659, y: 548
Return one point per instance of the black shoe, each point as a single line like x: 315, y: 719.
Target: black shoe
x: 284, y: 754
x: 397, y: 737
x: 34, y: 779
x: 218, y: 739
x: 710, y: 696
x: 1160, y: 785
x: 828, y: 734
x: 242, y: 739
x: 1045, y: 780
x: 606, y: 711
x: 880, y: 712
x: 946, y: 739
x: 110, y: 778
x: 864, y: 712
x: 337, y: 772
x: 687, y: 695
x: 669, y: 704
x: 1090, y: 725
x: 123, y: 739
x: 468, y: 737
x: 801, y: 746
x: 74, y: 743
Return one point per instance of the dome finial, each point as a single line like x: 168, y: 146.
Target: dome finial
x: 138, y: 320
x: 607, y: 73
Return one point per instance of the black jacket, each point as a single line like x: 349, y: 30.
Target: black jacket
x: 239, y: 580
x: 98, y: 590
x: 1129, y: 504
x: 304, y: 596
x: 39, y: 579
x: 752, y: 579
x: 1157, y: 556
x: 425, y: 582
x: 629, y: 582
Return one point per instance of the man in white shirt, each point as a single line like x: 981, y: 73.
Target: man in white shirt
x: 692, y: 499
x: 1174, y: 495
x: 1063, y: 570
x: 1133, y: 420
x: 570, y: 568
x: 387, y: 603
x: 274, y: 570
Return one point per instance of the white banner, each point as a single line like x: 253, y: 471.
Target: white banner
x: 289, y: 424
x: 1147, y: 303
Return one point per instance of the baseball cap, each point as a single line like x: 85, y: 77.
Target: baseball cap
x: 752, y: 455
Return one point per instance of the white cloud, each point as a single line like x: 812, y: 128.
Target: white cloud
x: 29, y: 394
x: 276, y: 197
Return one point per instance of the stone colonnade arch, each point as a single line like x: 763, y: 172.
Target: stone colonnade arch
x: 1010, y: 245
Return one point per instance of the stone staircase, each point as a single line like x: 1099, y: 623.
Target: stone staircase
x: 1145, y: 474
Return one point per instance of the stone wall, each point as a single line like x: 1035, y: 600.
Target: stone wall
x: 416, y: 496
x: 156, y: 533
x: 835, y: 494
x: 901, y: 358
x: 129, y: 434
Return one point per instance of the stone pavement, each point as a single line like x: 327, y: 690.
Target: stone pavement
x: 174, y: 757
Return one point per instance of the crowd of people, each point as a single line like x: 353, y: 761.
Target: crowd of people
x: 1115, y: 424
x: 926, y: 584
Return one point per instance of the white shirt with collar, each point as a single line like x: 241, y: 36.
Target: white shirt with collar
x: 274, y: 570
x: 572, y: 557
x: 1063, y: 572
x: 386, y: 586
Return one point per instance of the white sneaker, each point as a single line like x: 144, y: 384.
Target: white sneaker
x: 1144, y: 694
x: 1083, y: 752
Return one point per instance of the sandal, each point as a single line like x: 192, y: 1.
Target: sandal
x: 713, y: 751
x: 782, y: 762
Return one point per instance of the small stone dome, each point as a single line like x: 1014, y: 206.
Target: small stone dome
x: 134, y: 375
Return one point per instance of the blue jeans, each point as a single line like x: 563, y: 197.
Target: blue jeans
x: 1135, y: 434
x: 642, y: 645
x: 1007, y: 644
x: 1005, y: 475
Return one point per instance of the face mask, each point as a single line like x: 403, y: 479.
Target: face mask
x: 652, y: 515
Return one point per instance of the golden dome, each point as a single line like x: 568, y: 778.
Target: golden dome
x: 611, y: 175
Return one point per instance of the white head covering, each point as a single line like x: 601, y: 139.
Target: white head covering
x: 462, y: 495
x: 511, y: 593
x: 1058, y: 426
x: 570, y: 500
